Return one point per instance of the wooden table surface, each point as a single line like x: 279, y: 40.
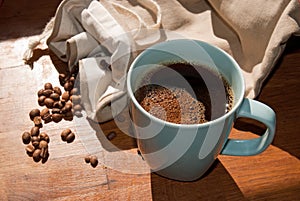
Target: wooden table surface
x: 121, y: 173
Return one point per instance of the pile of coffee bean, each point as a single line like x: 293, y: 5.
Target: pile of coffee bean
x: 60, y: 105
x: 57, y: 105
x: 37, y: 144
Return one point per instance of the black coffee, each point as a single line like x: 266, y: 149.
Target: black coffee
x: 185, y: 93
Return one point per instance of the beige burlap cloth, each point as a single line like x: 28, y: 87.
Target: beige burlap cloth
x: 103, y: 37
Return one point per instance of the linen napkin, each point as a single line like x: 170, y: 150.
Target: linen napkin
x: 103, y: 37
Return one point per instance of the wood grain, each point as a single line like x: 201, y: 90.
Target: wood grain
x: 122, y: 174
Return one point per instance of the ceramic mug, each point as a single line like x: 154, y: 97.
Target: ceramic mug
x: 186, y: 151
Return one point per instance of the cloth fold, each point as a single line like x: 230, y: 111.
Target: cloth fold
x: 104, y: 37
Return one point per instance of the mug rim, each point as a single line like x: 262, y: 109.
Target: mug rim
x: 164, y: 122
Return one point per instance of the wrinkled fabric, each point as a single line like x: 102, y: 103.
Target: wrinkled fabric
x: 103, y: 38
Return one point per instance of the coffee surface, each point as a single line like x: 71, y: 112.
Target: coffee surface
x: 183, y: 93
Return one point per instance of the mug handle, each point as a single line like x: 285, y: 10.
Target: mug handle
x: 260, y: 112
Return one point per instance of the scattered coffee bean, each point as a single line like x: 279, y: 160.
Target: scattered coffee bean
x: 47, y: 92
x: 111, y: 135
x: 26, y: 137
x: 36, y: 155
x: 74, y: 91
x: 56, y: 117
x: 68, y: 86
x: 29, y: 149
x: 70, y: 138
x: 76, y: 99
x: 46, y: 116
x: 65, y: 96
x: 55, y: 111
x: 87, y: 159
x: 48, y: 86
x: 65, y: 133
x: 57, y: 90
x: 68, y: 118
x: 44, y: 148
x: 77, y: 107
x: 45, y: 156
x: 43, y: 144
x: 38, y: 121
x: 40, y: 92
x: 35, y: 131
x: 44, y: 137
x: 94, y: 161
x: 35, y: 141
x: 41, y: 100
x: 62, y: 79
x: 44, y: 111
x: 49, y: 102
x: 33, y: 113
x: 55, y: 96
x: 67, y: 107
x: 58, y: 104
x: 72, y: 79
x: 78, y: 114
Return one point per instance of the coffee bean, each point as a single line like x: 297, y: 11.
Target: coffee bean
x: 72, y: 79
x: 48, y: 86
x: 41, y: 100
x: 45, y: 156
x: 26, y: 137
x: 58, y: 104
x: 56, y: 117
x: 87, y: 159
x: 68, y: 118
x: 62, y: 76
x: 44, y: 153
x: 67, y: 108
x: 40, y: 92
x: 43, y: 144
x: 33, y: 113
x: 76, y: 99
x: 57, y: 90
x: 35, y: 138
x: 70, y: 138
x: 47, y: 118
x: 55, y: 111
x: 44, y: 137
x: 30, y: 149
x: 38, y: 121
x: 68, y: 86
x: 36, y: 155
x: 74, y: 91
x: 49, y: 103
x: 55, y: 96
x: 47, y: 92
x: 94, y: 161
x: 65, y: 96
x: 78, y: 114
x: 44, y: 111
x: 77, y: 107
x: 35, y: 131
x: 65, y: 133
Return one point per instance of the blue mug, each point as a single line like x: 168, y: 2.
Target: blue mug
x: 186, y: 151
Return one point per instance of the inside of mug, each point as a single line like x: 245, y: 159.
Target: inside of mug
x: 190, y: 51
